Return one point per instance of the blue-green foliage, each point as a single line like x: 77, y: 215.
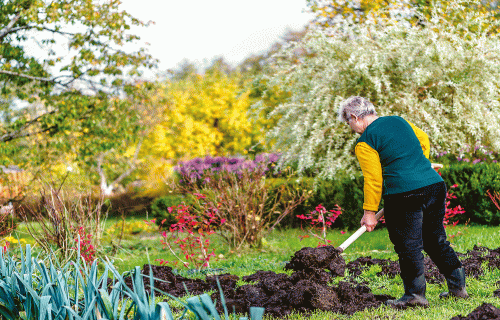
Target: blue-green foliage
x: 76, y: 291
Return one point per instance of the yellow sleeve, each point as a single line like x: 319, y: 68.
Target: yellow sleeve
x: 369, y: 161
x: 423, y: 138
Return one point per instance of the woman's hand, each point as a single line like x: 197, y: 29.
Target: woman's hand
x: 369, y: 220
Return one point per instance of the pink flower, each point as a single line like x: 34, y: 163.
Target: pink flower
x: 320, y: 208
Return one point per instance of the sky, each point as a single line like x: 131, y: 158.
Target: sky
x: 201, y: 30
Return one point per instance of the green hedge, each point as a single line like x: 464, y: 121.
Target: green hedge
x: 473, y: 181
x: 347, y: 193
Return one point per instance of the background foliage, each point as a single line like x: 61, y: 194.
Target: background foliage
x: 442, y: 77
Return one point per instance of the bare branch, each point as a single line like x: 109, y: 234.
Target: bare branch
x: 27, y: 76
x: 5, y: 31
x: 100, y: 160
x: 40, y: 28
x: 19, y: 134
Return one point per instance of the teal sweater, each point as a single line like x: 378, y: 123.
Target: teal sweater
x: 401, y: 156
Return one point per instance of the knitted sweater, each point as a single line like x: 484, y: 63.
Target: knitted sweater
x: 393, y: 155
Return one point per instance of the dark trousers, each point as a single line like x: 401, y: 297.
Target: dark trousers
x: 415, y: 222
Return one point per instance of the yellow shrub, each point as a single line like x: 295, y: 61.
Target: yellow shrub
x: 131, y: 227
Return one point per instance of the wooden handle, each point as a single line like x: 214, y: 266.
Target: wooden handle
x: 359, y: 232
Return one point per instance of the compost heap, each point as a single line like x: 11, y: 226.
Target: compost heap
x: 309, y: 286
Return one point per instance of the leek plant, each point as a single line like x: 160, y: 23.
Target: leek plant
x: 36, y: 289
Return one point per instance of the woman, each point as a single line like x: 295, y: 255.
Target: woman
x: 393, y: 155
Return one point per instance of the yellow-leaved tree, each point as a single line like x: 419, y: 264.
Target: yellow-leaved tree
x: 334, y: 12
x: 201, y: 114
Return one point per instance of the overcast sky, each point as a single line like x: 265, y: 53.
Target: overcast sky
x: 200, y: 30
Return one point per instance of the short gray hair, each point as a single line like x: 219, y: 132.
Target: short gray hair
x: 358, y: 106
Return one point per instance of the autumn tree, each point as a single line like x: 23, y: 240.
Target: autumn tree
x: 71, y: 69
x: 199, y: 115
x: 329, y: 13
x: 64, y: 75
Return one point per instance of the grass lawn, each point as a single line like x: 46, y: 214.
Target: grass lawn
x: 280, y: 246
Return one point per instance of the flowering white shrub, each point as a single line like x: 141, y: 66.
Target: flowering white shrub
x: 442, y: 77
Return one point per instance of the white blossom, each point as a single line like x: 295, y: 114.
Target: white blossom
x: 443, y: 78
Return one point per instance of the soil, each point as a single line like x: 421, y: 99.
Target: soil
x: 484, y: 311
x: 472, y: 261
x: 309, y: 287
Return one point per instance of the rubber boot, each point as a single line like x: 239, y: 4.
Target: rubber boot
x: 414, y: 294
x: 456, y: 285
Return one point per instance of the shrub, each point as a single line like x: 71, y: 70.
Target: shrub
x: 320, y: 219
x: 191, y: 234
x: 473, y: 181
x: 476, y: 154
x: 130, y: 227
x: 58, y: 219
x: 344, y: 192
x: 199, y: 171
x: 8, y: 221
x: 244, y: 201
x: 159, y: 208
x: 442, y: 77
x: 281, y: 189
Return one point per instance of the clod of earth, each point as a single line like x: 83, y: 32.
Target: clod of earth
x: 326, y: 257
x: 309, y: 287
x: 484, y: 311
x: 496, y: 293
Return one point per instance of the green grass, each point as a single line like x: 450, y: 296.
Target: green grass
x: 281, y: 244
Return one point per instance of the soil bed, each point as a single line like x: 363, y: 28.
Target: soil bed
x: 484, y: 311
x: 309, y: 286
x: 472, y: 262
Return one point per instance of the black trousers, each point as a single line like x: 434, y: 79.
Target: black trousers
x: 415, y: 222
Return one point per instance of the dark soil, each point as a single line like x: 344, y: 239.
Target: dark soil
x: 472, y: 261
x: 309, y: 287
x: 486, y: 311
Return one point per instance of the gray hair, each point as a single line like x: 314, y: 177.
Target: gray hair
x: 358, y: 106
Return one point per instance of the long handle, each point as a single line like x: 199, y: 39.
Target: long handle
x: 360, y: 231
